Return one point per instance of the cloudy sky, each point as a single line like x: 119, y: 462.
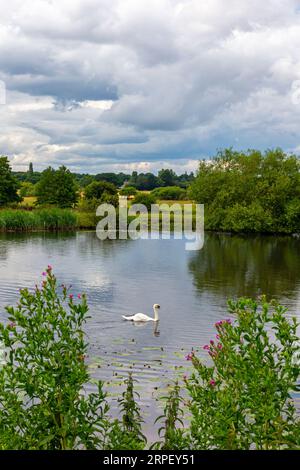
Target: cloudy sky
x: 118, y: 85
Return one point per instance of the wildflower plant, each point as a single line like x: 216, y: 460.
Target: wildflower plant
x: 244, y: 399
x: 43, y: 404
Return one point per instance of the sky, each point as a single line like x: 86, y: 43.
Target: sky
x: 123, y: 85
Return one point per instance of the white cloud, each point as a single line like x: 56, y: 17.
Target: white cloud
x: 101, y: 84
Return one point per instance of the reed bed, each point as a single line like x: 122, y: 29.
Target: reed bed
x: 37, y: 220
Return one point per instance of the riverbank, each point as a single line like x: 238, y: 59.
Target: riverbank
x: 56, y: 219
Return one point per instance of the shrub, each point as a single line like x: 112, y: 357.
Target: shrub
x: 27, y: 189
x: 244, y: 399
x: 128, y: 191
x: 97, y: 189
x: 41, y: 384
x: 173, y: 193
x: 145, y: 199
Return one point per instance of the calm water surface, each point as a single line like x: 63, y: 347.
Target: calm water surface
x: 125, y: 277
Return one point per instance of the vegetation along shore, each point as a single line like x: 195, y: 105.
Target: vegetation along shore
x: 251, y: 192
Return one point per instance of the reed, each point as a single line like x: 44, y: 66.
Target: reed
x: 41, y: 219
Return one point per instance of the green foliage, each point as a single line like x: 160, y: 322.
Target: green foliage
x: 143, y: 181
x: 250, y: 192
x: 167, y: 177
x: 41, y: 384
x: 27, y: 189
x: 127, y: 433
x: 99, y: 192
x: 42, y: 219
x: 8, y: 184
x: 57, y: 187
x: 128, y: 191
x: 172, y: 429
x: 243, y: 400
x: 173, y: 193
x: 117, y: 179
x: 145, y: 199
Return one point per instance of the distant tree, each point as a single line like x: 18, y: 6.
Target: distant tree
x: 133, y: 178
x: 174, y: 193
x: 145, y: 199
x: 128, y: 191
x: 8, y: 183
x: 27, y: 189
x: 167, y: 177
x: 57, y: 187
x: 115, y: 178
x: 144, y: 181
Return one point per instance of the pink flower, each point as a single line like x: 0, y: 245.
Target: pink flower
x: 189, y: 357
x: 71, y: 296
x: 44, y: 274
x: 79, y: 296
x: 212, y: 383
x: 220, y: 346
x: 206, y: 347
x: 49, y: 267
x: 212, y: 342
x: 11, y: 325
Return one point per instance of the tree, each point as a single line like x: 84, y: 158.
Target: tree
x: 8, y: 183
x: 30, y: 170
x: 167, y: 177
x: 100, y: 192
x: 250, y: 191
x: 97, y: 189
x: 57, y: 187
x: 27, y: 189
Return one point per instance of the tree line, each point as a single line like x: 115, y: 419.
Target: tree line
x: 250, y: 191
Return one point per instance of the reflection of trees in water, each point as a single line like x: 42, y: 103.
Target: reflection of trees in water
x: 236, y: 265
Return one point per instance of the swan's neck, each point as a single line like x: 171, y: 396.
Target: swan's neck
x: 156, y: 317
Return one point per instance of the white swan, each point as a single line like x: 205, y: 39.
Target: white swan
x: 142, y: 317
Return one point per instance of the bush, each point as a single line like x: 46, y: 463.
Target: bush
x: 145, y: 199
x: 173, y: 193
x: 244, y: 399
x: 27, y: 190
x: 128, y: 191
x: 42, y: 404
x: 97, y: 189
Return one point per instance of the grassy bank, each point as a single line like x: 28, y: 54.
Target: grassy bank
x: 42, y: 219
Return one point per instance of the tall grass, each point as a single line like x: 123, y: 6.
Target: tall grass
x: 42, y: 219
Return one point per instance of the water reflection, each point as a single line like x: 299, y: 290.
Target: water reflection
x: 233, y: 266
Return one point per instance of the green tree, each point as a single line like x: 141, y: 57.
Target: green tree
x: 96, y: 189
x: 57, y: 187
x: 27, y: 189
x: 167, y: 177
x: 249, y: 191
x: 8, y: 183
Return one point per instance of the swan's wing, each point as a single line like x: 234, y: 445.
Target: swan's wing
x: 141, y: 317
